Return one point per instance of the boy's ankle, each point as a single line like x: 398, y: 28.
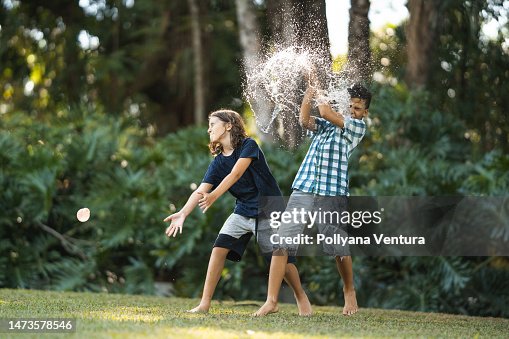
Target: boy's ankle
x: 299, y: 294
x: 204, y: 304
x: 271, y: 300
x: 348, y: 289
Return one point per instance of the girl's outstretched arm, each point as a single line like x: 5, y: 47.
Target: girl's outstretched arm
x: 177, y: 219
x: 207, y: 199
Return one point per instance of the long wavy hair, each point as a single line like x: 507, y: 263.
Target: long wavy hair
x: 237, y: 133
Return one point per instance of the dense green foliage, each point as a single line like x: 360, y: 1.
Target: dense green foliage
x: 131, y: 181
x: 50, y: 169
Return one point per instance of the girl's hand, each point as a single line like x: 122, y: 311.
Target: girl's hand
x: 177, y: 221
x: 207, y: 199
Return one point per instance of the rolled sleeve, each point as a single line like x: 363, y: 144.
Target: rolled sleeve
x: 321, y: 125
x: 353, y: 131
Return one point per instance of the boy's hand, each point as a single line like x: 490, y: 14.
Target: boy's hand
x: 177, y: 221
x: 207, y: 199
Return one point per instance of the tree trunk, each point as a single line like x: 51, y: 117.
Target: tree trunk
x: 297, y: 23
x: 359, y: 53
x: 281, y: 22
x: 420, y: 35
x: 291, y: 23
x: 199, y: 88
x: 249, y: 33
x: 311, y: 25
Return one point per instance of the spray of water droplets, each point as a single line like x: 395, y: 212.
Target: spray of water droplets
x: 275, y: 88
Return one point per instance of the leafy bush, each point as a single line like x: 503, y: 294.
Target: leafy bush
x: 82, y: 158
x: 130, y: 181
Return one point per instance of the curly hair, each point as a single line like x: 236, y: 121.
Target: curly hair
x: 361, y: 92
x: 237, y: 133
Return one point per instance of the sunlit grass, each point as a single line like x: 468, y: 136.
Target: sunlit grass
x: 128, y: 316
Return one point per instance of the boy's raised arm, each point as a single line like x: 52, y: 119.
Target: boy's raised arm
x: 328, y: 114
x: 305, y: 118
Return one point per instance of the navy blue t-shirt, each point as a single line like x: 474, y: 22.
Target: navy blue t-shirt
x: 256, y: 181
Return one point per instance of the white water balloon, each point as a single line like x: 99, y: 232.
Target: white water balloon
x: 83, y: 214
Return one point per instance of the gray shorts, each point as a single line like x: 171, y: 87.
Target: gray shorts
x: 237, y: 231
x: 324, y: 207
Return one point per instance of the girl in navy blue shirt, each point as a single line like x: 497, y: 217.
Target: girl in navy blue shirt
x: 239, y: 167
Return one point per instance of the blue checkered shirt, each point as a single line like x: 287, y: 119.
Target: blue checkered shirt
x: 324, y: 170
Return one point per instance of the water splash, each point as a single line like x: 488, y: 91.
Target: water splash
x: 277, y: 80
x: 280, y: 81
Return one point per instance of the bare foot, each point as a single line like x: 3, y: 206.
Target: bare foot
x: 304, y: 305
x: 199, y: 309
x: 350, y: 303
x: 267, y: 308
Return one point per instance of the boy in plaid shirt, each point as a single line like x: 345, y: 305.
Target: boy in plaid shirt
x: 323, y: 174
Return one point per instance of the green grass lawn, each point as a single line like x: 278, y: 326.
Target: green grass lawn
x: 128, y: 316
